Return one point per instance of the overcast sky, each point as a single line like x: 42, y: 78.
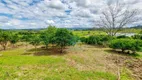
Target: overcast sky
x: 21, y: 14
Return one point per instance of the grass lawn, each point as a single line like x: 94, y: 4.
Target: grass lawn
x: 77, y: 63
x: 88, y: 33
x: 97, y: 32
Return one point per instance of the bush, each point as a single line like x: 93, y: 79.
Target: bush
x: 126, y: 44
x: 97, y: 40
x: 122, y: 36
x: 94, y: 40
x: 137, y: 37
x: 83, y: 39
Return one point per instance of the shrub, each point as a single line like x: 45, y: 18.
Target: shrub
x: 83, y: 39
x: 94, y: 40
x: 122, y: 36
x: 126, y: 44
x: 137, y: 37
x: 97, y: 40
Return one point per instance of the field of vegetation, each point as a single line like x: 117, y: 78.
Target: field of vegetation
x: 92, y: 40
x: 60, y: 54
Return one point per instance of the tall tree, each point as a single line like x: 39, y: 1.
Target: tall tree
x: 26, y: 38
x: 116, y: 16
x: 63, y: 38
x: 51, y: 30
x: 4, y: 38
x: 35, y: 41
x: 47, y: 36
x: 14, y: 39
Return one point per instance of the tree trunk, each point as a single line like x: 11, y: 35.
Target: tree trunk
x: 13, y: 46
x: 26, y: 46
x: 46, y: 47
x: 4, y: 47
x: 35, y: 49
x: 123, y: 50
x: 61, y: 50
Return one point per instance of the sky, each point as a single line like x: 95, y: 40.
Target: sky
x: 28, y: 14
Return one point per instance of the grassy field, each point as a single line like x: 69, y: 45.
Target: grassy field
x: 131, y: 31
x: 88, y: 33
x: 80, y: 62
x: 99, y: 32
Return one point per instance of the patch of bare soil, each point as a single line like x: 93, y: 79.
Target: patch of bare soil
x: 49, y: 51
x: 134, y: 64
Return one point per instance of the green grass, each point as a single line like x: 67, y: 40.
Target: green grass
x: 99, y: 32
x: 131, y: 31
x: 125, y: 74
x: 14, y: 65
x: 79, y: 63
x: 13, y: 52
x: 28, y: 60
x: 88, y: 33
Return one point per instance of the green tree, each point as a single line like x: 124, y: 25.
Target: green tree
x: 47, y: 36
x: 63, y: 38
x: 45, y: 39
x: 26, y: 37
x: 35, y: 41
x: 51, y: 30
x: 14, y: 39
x: 4, y: 38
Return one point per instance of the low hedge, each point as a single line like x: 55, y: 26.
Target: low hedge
x: 126, y: 44
x: 97, y: 39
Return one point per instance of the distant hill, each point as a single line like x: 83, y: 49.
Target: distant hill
x: 137, y: 27
x: 77, y: 28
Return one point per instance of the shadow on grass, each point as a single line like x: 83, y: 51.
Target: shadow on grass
x: 122, y: 53
x: 44, y: 52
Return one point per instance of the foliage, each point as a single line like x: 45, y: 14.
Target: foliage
x: 14, y: 38
x: 26, y: 37
x: 63, y: 38
x: 137, y: 36
x: 94, y: 40
x: 83, y: 39
x: 45, y: 39
x: 47, y: 36
x: 126, y: 44
x: 5, y: 37
x: 97, y: 40
x: 122, y: 36
x: 35, y: 40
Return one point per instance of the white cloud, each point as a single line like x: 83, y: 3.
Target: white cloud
x: 82, y: 13
x: 50, y: 22
x: 20, y: 14
x: 55, y: 4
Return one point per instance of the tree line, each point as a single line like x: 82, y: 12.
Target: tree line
x: 59, y: 37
